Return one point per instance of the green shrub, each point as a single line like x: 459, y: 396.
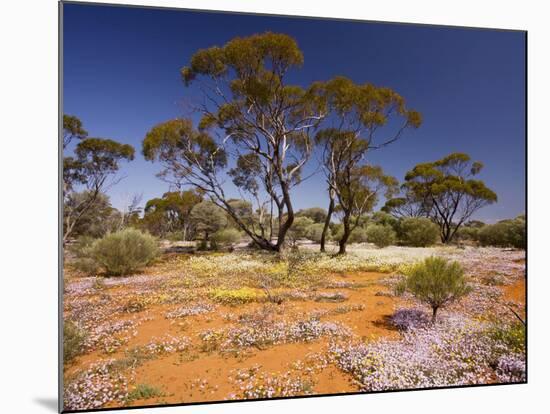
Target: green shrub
x: 315, y: 231
x: 73, y: 340
x: 512, y: 336
x: 435, y: 281
x: 506, y: 233
x: 418, y: 232
x: 125, y: 251
x: 381, y: 235
x: 468, y: 233
x: 358, y: 235
x: 83, y: 262
x: 299, y: 227
x: 225, y: 238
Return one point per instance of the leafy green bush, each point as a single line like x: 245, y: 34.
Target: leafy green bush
x: 506, y: 233
x: 299, y: 227
x: 125, y: 251
x: 468, y: 233
x: 418, y: 232
x: 225, y: 238
x: 73, y: 340
x: 358, y: 235
x: 315, y: 231
x: 381, y: 235
x: 83, y: 262
x: 435, y: 281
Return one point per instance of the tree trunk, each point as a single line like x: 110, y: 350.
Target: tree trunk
x: 434, y: 313
x: 327, y: 223
x: 283, y: 229
x: 347, y: 232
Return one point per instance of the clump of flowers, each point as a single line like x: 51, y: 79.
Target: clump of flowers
x: 511, y: 368
x: 95, y: 387
x: 236, y: 296
x: 197, y: 309
x: 454, y: 351
x: 262, y: 334
x: 254, y: 384
x: 166, y: 345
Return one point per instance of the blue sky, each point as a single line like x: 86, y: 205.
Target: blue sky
x: 121, y: 77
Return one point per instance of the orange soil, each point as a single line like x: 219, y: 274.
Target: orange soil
x: 210, y: 376
x: 180, y: 379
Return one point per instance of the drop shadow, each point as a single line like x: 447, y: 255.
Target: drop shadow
x: 49, y: 403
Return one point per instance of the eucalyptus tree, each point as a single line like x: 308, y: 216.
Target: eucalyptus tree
x: 171, y: 212
x: 252, y: 121
x: 96, y: 160
x: 356, y: 114
x: 448, y: 191
x: 357, y: 193
x: 72, y: 129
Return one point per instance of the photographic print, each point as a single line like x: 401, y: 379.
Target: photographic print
x: 259, y: 206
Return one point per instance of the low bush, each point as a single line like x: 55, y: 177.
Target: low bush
x: 73, y: 341
x: 381, y: 235
x: 506, y: 233
x: 225, y: 238
x: 315, y: 231
x: 418, y: 232
x: 125, y: 251
x: 358, y: 235
x: 436, y: 282
x: 83, y: 261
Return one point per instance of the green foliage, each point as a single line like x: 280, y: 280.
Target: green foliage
x: 506, y: 233
x: 73, y: 340
x: 469, y: 233
x: 300, y: 226
x: 358, y: 235
x: 177, y: 139
x: 381, y: 235
x: 381, y: 217
x: 418, y: 232
x: 315, y: 231
x: 72, y: 128
x: 96, y: 215
x: 436, y: 281
x: 171, y: 213
x: 143, y: 392
x: 125, y: 251
x: 236, y: 296
x: 446, y: 190
x: 317, y: 214
x: 208, y: 218
x: 83, y: 262
x: 512, y: 336
x: 225, y: 238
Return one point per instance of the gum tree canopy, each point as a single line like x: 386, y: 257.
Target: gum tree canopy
x: 95, y: 161
x: 357, y: 116
x: 253, y: 123
x: 446, y: 191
